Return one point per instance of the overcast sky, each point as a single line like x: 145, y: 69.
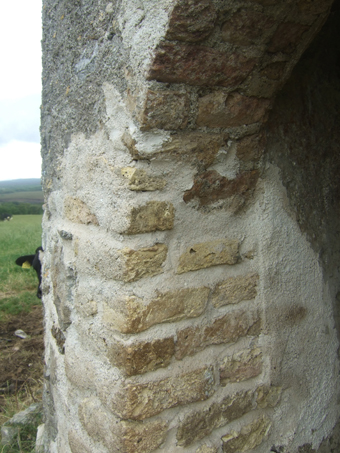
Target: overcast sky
x: 20, y: 87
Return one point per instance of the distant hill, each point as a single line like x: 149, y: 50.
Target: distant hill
x: 21, y: 191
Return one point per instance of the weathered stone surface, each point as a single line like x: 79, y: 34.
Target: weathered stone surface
x: 274, y: 71
x: 250, y: 148
x: 153, y: 216
x: 210, y: 187
x: 79, y: 370
x: 246, y: 27
x: 248, y: 438
x: 141, y: 357
x: 286, y: 37
x: 167, y: 110
x: 313, y: 7
x: 206, y: 449
x: 191, y: 20
x: 241, y: 366
x: 144, y: 262
x: 219, y: 109
x: 77, y: 211
x: 139, y: 180
x: 199, y: 65
x: 234, y: 290
x: 207, y: 254
x: 201, y: 423
x: 77, y: 444
x: 140, y: 401
x: 268, y: 396
x: 225, y: 329
x: 134, y: 316
x: 142, y: 437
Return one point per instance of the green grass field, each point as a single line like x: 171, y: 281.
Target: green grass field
x: 23, y: 197
x: 20, y: 236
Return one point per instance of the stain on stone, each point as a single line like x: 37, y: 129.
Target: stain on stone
x: 60, y: 338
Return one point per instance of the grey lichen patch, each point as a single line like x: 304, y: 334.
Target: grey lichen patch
x: 139, y: 180
x: 153, y: 216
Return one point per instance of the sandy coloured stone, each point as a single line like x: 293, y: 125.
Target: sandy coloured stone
x: 207, y: 449
x: 201, y: 423
x: 144, y: 262
x: 248, y: 438
x: 219, y: 109
x: 131, y: 315
x: 234, y: 290
x: 199, y: 65
x: 191, y: 21
x: 268, y: 396
x: 139, y: 180
x: 77, y: 211
x: 139, y: 401
x: 241, y: 366
x: 77, y: 444
x: 223, y: 330
x: 167, y: 110
x: 142, y: 357
x: 153, y: 216
x: 207, y: 254
x: 142, y: 437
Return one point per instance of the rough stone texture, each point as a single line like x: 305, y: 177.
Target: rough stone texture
x: 241, y: 366
x: 199, y: 65
x: 165, y: 110
x: 191, y: 21
x: 234, y: 290
x: 199, y: 424
x: 77, y: 444
x: 140, y: 401
x: 132, y: 316
x: 206, y: 449
x: 220, y: 109
x: 225, y: 329
x: 250, y: 149
x: 79, y: 371
x: 142, y: 357
x: 206, y: 254
x: 139, y: 180
x: 248, y: 438
x: 77, y: 211
x: 144, y: 262
x: 143, y: 437
x: 210, y: 187
x: 247, y: 27
x: 286, y: 37
x: 268, y: 396
x: 153, y: 216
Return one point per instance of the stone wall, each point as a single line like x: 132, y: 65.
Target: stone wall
x: 188, y: 306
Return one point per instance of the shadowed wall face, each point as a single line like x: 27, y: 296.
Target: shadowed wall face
x: 189, y: 284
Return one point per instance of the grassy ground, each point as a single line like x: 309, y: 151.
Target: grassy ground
x: 21, y: 365
x: 20, y: 236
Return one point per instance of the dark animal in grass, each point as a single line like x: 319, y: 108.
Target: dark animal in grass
x: 5, y: 216
x: 35, y: 262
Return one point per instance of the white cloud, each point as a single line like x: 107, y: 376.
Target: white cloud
x: 20, y: 160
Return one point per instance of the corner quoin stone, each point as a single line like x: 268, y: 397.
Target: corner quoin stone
x: 144, y: 262
x: 139, y: 180
x: 207, y: 254
x: 153, y: 216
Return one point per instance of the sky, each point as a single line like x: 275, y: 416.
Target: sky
x: 20, y: 89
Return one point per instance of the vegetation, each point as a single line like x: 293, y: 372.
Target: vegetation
x: 20, y: 236
x: 21, y: 197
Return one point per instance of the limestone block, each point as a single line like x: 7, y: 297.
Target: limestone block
x: 139, y: 180
x: 234, y: 290
x: 268, y: 396
x: 219, y: 109
x: 207, y: 449
x: 77, y: 444
x: 141, y: 357
x: 286, y: 38
x: 130, y: 315
x: 79, y: 370
x: 144, y: 262
x: 225, y: 329
x: 241, y: 366
x: 207, y: 254
x: 199, y: 65
x: 77, y: 211
x: 246, y: 27
x: 199, y: 424
x: 153, y: 216
x: 191, y: 21
x: 165, y: 110
x: 248, y: 438
x: 142, y: 437
x: 139, y: 401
